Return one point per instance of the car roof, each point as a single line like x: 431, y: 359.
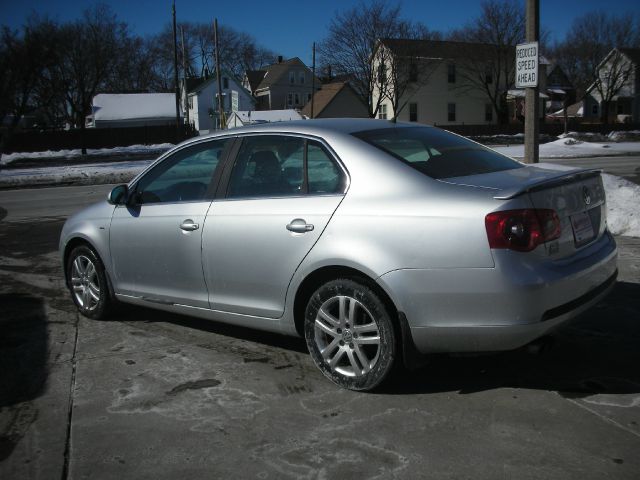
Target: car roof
x: 316, y: 127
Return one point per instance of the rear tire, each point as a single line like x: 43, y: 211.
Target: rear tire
x: 350, y: 334
x: 87, y: 283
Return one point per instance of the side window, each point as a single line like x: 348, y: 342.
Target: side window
x: 274, y: 166
x: 268, y: 166
x: 324, y: 176
x: 185, y: 176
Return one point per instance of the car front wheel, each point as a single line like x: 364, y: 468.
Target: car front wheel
x: 350, y: 334
x: 88, y: 284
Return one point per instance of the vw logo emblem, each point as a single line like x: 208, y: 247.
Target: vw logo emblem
x: 586, y: 195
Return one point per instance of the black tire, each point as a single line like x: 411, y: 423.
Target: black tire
x: 87, y: 283
x: 355, y: 349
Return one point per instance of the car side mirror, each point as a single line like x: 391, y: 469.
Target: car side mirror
x: 118, y: 195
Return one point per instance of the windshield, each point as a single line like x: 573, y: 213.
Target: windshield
x: 437, y: 153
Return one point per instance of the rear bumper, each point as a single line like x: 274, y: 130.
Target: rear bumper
x: 501, y: 308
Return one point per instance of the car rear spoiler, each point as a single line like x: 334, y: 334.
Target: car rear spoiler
x: 560, y: 179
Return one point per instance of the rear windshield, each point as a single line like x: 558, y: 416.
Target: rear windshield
x: 437, y: 153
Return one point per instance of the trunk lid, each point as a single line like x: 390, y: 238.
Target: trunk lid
x: 576, y: 195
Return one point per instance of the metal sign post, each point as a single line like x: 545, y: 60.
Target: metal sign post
x: 527, y: 73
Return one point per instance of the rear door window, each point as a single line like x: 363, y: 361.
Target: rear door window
x: 283, y: 166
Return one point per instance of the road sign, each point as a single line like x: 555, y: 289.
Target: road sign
x: 527, y: 65
x: 234, y: 101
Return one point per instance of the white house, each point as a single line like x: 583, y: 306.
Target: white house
x: 616, y: 91
x: 132, y: 110
x: 203, y: 105
x: 240, y: 119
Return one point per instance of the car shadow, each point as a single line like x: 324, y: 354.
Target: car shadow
x: 598, y: 353
x: 138, y: 314
x: 23, y: 359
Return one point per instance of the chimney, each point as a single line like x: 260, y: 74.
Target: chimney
x: 279, y: 58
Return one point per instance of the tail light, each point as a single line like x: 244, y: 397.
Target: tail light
x: 522, y: 230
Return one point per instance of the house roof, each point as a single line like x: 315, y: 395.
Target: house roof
x: 273, y: 73
x: 267, y: 116
x: 254, y: 77
x: 128, y: 106
x: 632, y: 53
x: 323, y: 97
x: 440, y: 48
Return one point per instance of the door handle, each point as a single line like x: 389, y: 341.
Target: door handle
x: 189, y: 226
x: 299, y: 225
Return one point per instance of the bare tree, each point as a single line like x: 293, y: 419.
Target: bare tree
x: 352, y: 40
x: 490, y: 67
x: 591, y: 38
x: 23, y: 58
x: 239, y: 51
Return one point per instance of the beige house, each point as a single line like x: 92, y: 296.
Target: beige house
x: 336, y: 100
x: 441, y: 82
x: 283, y: 85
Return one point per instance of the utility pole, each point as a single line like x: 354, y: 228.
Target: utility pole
x: 532, y: 103
x: 313, y: 77
x: 184, y: 77
x: 175, y: 72
x: 219, y: 80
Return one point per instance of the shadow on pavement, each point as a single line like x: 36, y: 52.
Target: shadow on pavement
x: 599, y: 353
x: 3, y: 213
x: 23, y: 360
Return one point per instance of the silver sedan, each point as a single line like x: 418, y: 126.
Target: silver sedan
x: 376, y: 242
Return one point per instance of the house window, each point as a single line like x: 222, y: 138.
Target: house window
x: 488, y: 112
x: 594, y: 109
x: 301, y: 78
x: 225, y: 83
x: 451, y: 73
x: 451, y: 112
x: 296, y: 99
x: 289, y: 99
x: 620, y: 108
x: 382, y: 113
x: 488, y: 77
x: 413, y: 72
x: 413, y: 112
x: 292, y: 77
x: 382, y: 74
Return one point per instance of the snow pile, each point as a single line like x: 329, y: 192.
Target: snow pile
x: 157, y: 148
x: 630, y: 136
x: 623, y: 205
x: 566, y: 148
x: 90, y: 174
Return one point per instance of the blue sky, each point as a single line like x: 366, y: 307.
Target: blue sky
x: 290, y: 27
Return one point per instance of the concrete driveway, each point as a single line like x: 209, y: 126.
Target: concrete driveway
x: 152, y: 395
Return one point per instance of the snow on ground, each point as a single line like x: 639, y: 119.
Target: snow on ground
x: 12, y: 157
x: 88, y: 174
x: 571, y: 148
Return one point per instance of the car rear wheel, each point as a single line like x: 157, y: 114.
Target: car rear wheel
x: 350, y: 334
x: 88, y: 283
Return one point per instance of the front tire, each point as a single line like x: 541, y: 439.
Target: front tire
x: 87, y: 282
x: 350, y: 334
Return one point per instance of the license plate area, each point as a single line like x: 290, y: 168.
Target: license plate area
x: 583, y: 230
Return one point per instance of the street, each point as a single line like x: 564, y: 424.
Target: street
x: 154, y: 395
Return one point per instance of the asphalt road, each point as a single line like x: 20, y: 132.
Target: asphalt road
x: 152, y: 395
x: 622, y: 166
